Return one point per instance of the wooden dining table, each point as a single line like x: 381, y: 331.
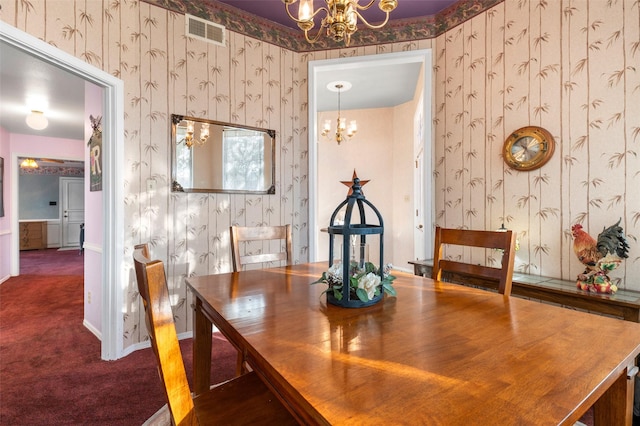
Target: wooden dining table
x: 437, y: 354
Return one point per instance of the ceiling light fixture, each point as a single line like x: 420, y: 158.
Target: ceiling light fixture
x: 28, y: 163
x: 341, y: 17
x: 341, y: 124
x: 36, y: 120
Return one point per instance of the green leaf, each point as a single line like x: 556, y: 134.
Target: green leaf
x: 388, y: 288
x: 322, y: 279
x: 362, y: 295
x: 337, y: 293
x: 353, y: 281
x: 369, y: 267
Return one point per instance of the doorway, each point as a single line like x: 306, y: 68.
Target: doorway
x: 336, y: 69
x: 111, y: 228
x: 71, y: 211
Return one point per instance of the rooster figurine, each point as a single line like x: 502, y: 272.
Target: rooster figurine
x: 599, y: 256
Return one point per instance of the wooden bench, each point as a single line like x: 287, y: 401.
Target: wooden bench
x: 623, y: 304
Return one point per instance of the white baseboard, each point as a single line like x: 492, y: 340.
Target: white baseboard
x: 92, y: 247
x: 147, y: 344
x: 4, y: 278
x: 92, y: 329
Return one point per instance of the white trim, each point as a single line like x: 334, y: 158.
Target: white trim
x: 423, y: 56
x: 92, y: 329
x: 147, y: 343
x: 113, y: 275
x: 92, y: 247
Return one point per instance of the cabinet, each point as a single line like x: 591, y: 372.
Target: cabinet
x: 33, y: 235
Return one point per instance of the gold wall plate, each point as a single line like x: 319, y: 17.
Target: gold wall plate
x: 528, y: 148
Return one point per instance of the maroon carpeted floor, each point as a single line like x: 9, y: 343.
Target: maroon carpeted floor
x: 50, y: 366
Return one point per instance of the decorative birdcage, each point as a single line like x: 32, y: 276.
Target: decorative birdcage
x: 352, y: 270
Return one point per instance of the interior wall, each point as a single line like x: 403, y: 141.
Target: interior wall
x: 380, y: 152
x: 516, y: 64
x: 369, y: 153
x: 5, y: 221
x: 247, y: 82
x: 93, y: 220
x: 402, y: 230
x: 569, y: 66
x: 37, y: 192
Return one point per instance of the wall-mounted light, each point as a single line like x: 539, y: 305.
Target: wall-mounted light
x: 188, y: 139
x: 36, y: 120
x: 28, y: 163
x: 204, y: 132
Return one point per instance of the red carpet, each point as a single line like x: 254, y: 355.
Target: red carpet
x: 50, y: 366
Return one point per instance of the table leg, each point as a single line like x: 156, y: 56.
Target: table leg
x: 201, y: 349
x: 615, y: 407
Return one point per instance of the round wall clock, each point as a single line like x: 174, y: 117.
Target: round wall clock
x: 528, y: 148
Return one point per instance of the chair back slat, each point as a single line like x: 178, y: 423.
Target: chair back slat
x: 505, y: 242
x: 240, y: 234
x: 152, y: 286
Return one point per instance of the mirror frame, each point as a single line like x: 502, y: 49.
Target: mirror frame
x: 177, y: 187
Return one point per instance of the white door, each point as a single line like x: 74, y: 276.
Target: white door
x: 72, y: 210
x: 418, y: 205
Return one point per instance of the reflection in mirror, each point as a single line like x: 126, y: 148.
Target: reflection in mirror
x: 210, y: 156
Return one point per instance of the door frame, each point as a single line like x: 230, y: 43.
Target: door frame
x: 113, y: 182
x: 423, y: 56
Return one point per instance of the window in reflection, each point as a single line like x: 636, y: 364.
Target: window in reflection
x: 243, y: 159
x: 184, y: 160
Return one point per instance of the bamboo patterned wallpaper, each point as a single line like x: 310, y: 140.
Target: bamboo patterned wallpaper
x: 570, y: 66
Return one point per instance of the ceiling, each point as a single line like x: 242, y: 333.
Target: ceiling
x: 274, y: 10
x: 26, y: 83
x: 23, y: 76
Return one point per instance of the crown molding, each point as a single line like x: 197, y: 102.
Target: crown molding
x: 396, y: 31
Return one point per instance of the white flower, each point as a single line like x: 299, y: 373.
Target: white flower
x: 369, y: 283
x: 335, y: 273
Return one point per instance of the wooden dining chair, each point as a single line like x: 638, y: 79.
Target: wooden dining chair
x: 241, y: 234
x: 242, y: 400
x: 503, y: 242
x: 260, y: 233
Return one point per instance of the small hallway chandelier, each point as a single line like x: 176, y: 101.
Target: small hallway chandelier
x: 340, y: 17
x: 28, y: 163
x: 341, y: 123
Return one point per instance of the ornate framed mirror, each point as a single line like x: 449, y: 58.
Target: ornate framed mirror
x: 212, y: 156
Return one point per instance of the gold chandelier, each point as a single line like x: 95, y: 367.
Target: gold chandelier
x: 189, y: 139
x: 341, y: 123
x: 341, y: 17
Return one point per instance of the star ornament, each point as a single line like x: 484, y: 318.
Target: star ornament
x: 349, y: 183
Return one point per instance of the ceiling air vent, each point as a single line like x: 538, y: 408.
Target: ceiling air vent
x: 205, y: 30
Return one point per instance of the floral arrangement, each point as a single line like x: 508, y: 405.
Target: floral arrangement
x: 365, y: 282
